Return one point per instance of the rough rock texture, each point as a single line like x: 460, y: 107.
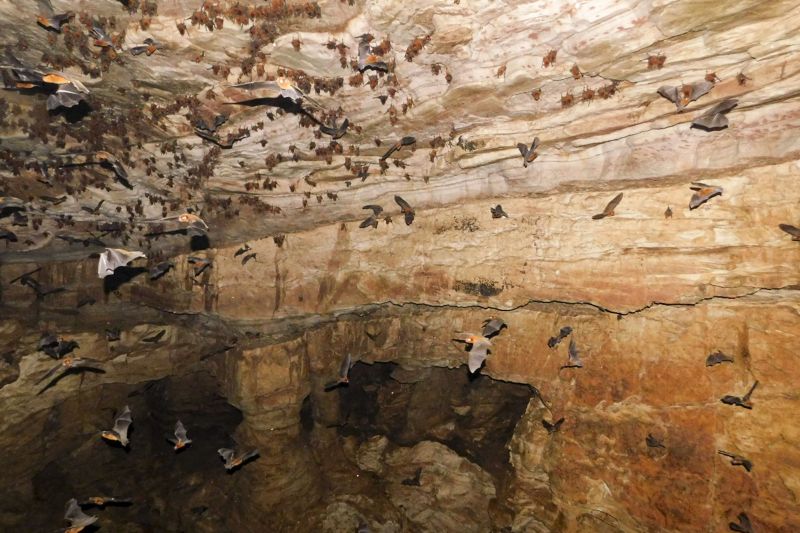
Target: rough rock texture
x: 248, y: 348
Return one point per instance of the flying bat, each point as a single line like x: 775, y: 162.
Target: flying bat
x: 562, y: 334
x: 528, y: 153
x: 192, y: 222
x: 478, y: 347
x: 737, y: 460
x: 102, y: 501
x: 609, y: 209
x: 149, y: 47
x: 493, y: 326
x: 120, y: 431
x: 49, y: 20
x: 414, y: 481
x: 244, y: 249
x: 37, y: 287
x: 160, y: 269
x: 152, y: 339
x: 335, y: 132
x: 405, y: 141
x: 280, y: 88
x: 248, y: 257
x: 406, y: 209
x: 498, y: 212
x: 66, y: 92
x: 684, y: 94
x: 744, y: 401
x: 367, y: 59
x: 93, y: 211
x: 232, y: 138
x: 102, y: 158
x: 744, y: 525
x: 714, y: 118
x: 574, y: 360
x: 702, y: 194
x: 717, y: 358
x: 114, y: 258
x: 232, y: 461
x: 101, y: 38
x: 791, y: 230
x: 552, y: 427
x: 181, y: 440
x: 653, y: 442
x: 69, y: 363
x: 344, y: 374
x: 76, y: 517
x: 199, y: 264
x: 371, y: 220
x: 56, y: 347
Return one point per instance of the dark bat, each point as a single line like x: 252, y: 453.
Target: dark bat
x: 344, y: 374
x: 114, y: 258
x: 232, y: 461
x: 9, y: 204
x: 243, y: 249
x: 497, y: 212
x: 100, y: 37
x: 181, y: 439
x: 492, y: 326
x: 270, y: 90
x: 231, y: 140
x: 199, y: 264
x: 737, y: 460
x: 113, y: 334
x: 160, y: 269
x: 86, y: 300
x: 219, y: 120
x: 56, y: 347
x: 149, y: 47
x: 367, y: 59
x: 528, y: 153
x: 86, y: 241
x: 609, y: 209
x: 552, y: 427
x: 414, y: 481
x: 102, y: 501
x: 40, y: 291
x: 120, y: 431
x: 405, y: 141
x: 52, y: 21
x: 103, y: 159
x: 717, y: 358
x: 653, y: 442
x: 53, y: 200
x: 95, y: 210
x: 248, y: 257
x: 76, y: 517
x: 406, y: 209
x: 683, y: 95
x: 714, y: 118
x: 155, y: 337
x: 702, y: 194
x: 70, y: 363
x: 335, y: 132
x: 371, y: 220
x: 744, y: 401
x: 791, y: 230
x: 744, y: 525
x: 574, y: 356
x: 562, y: 334
x: 8, y: 235
x: 668, y: 212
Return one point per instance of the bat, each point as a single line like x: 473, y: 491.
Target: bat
x: 181, y: 440
x: 248, y: 257
x: 49, y: 20
x: 653, y: 442
x: 113, y: 334
x: 741, y: 79
x: 280, y: 88
x: 497, y: 212
x: 10, y: 204
x: 406, y: 209
x: 371, y: 220
x: 717, y: 358
x: 199, y: 263
x: 574, y: 356
x: 76, y: 517
x: 549, y: 58
x: 737, y: 460
x: 69, y: 363
x: 56, y: 347
x: 478, y: 347
x: 114, y: 258
x: 77, y: 240
x: 102, y: 501
x: 120, y: 431
x: 714, y: 118
x: 405, y: 141
x: 192, y: 222
x: 492, y: 326
x: 553, y: 427
x: 149, y: 47
x: 100, y: 37
x: 160, y: 269
x: 668, y: 212
x: 8, y: 235
x: 744, y: 525
x: 744, y: 401
x: 791, y: 230
x: 335, y: 132
x: 102, y: 158
x: 231, y: 140
x: 40, y: 291
x: 414, y: 481
x: 528, y: 153
x: 684, y: 94
x: 702, y: 194
x: 67, y: 94
x: 243, y: 249
x: 152, y: 339
x: 93, y: 211
x: 609, y: 209
x: 562, y: 334
x: 656, y: 62
x: 367, y: 58
x: 344, y: 374
x: 232, y: 461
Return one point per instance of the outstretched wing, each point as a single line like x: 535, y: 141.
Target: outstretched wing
x: 180, y: 432
x: 50, y: 373
x: 613, y: 204
x: 477, y: 355
x: 76, y: 516
x: 122, y: 423
x: 670, y: 93
x: 699, y: 88
x: 376, y: 209
x: 344, y: 367
x: 493, y: 326
x: 522, y: 149
x: 226, y: 454
x: 791, y: 230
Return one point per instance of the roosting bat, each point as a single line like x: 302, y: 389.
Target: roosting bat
x: 335, y: 132
x: 683, y: 95
x: 609, y: 209
x: 717, y: 358
x: 76, y: 517
x: 737, y: 460
x: 714, y: 118
x: 114, y: 258
x: 371, y: 220
x: 702, y: 194
x: 406, y: 209
x: 744, y: 401
x: 552, y: 427
x: 181, y: 440
x: 574, y: 357
x: 120, y: 431
x: 528, y: 153
x: 562, y: 334
x: 344, y: 374
x: 69, y: 363
x: 498, y: 212
x: 232, y: 461
x: 367, y: 59
x: 668, y: 212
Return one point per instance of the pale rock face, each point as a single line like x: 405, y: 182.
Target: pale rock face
x: 648, y: 298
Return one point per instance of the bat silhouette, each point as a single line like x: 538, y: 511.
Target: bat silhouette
x: 9, y: 204
x: 552, y: 427
x: 199, y: 264
x: 95, y: 210
x: 232, y: 461
x: 406, y: 209
x: 609, y: 209
x: 76, y: 517
x: 344, y: 371
x: 120, y: 431
x: 232, y: 139
x: 367, y: 59
x: 8, y: 235
x: 56, y: 347
x: 245, y: 248
x: 717, y: 358
x: 149, y: 47
x: 497, y: 211
x: 493, y: 326
x: 181, y: 440
x: 744, y: 525
x: 40, y: 291
x: 528, y: 153
x: 371, y: 220
x: 653, y: 442
x: 714, y: 118
x: 744, y: 401
x: 414, y: 481
x: 154, y: 338
x: 737, y: 460
x: 100, y: 36
x: 702, y: 194
x: 114, y: 258
x: 70, y: 363
x: 160, y: 269
x: 248, y: 257
x: 280, y: 88
x: 102, y: 501
x: 102, y: 158
x: 562, y: 334
x: 335, y: 132
x: 574, y: 360
x: 791, y: 230
x: 684, y: 94
x: 405, y: 141
x: 49, y: 20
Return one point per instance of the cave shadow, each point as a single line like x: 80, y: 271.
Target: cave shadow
x: 53, y: 382
x: 199, y: 242
x: 121, y: 275
x: 72, y: 114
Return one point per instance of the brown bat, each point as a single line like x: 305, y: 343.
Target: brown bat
x: 656, y: 61
x: 717, y: 358
x: 744, y: 525
x: 69, y: 363
x: 344, y: 374
x: 335, y: 132
x: 668, y: 212
x: 683, y: 95
x: 562, y: 334
x: 76, y: 517
x: 101, y: 38
x: 574, y: 356
x: 744, y: 401
x: 149, y: 47
x: 114, y: 258
x: 371, y: 220
x: 576, y: 72
x: 406, y: 209
x: 49, y: 20
x: 528, y: 153
x: 549, y: 58
x: 712, y: 77
x: 552, y: 427
x: 702, y: 194
x: 742, y: 79
x: 737, y: 460
x: 405, y: 141
x: 609, y: 209
x: 367, y: 57
x: 714, y: 118
x: 120, y: 431
x: 497, y: 212
x: 181, y: 439
x: 653, y: 442
x: 104, y: 159
x: 791, y: 230
x: 102, y: 501
x: 232, y: 461
x: 199, y: 263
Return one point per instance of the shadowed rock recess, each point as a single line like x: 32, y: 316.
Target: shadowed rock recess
x: 241, y: 351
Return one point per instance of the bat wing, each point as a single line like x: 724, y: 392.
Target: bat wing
x: 522, y: 149
x: 256, y: 85
x: 65, y: 96
x: 404, y: 206
x: 180, y: 432
x: 226, y: 454
x: 45, y: 7
x: 50, y: 373
x: 612, y: 204
x: 113, y: 258
x: 138, y: 50
x: 703, y: 195
x: 699, y: 88
x: 534, y: 144
x: 344, y: 368
x: 477, y: 355
x: 86, y: 362
x: 707, y: 121
x: 390, y: 151
x: 76, y: 516
x: 376, y: 209
x: 363, y: 52
x: 791, y: 230
x: 405, y: 141
x: 669, y: 92
x: 370, y: 221
x: 250, y: 455
x: 493, y: 326
x: 724, y: 106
